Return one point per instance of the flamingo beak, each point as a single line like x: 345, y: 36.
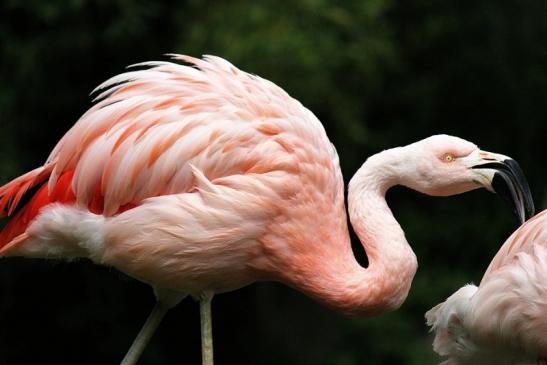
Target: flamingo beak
x: 503, y: 175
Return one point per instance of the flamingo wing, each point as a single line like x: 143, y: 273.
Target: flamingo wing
x: 151, y: 125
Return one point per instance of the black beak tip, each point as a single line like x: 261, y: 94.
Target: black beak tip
x: 510, y: 183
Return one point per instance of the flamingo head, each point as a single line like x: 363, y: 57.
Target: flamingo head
x: 443, y: 165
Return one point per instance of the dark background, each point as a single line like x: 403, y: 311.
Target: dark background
x: 377, y: 73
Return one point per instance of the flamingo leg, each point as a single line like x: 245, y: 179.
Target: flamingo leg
x: 206, y: 329
x: 146, y: 332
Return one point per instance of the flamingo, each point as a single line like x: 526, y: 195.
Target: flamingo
x: 200, y: 179
x: 504, y: 319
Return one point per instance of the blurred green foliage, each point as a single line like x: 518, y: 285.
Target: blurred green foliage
x: 377, y: 73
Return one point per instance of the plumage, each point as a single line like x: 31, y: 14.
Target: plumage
x: 123, y: 150
x: 503, y: 320
x: 201, y: 179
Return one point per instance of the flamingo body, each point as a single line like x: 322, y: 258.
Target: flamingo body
x: 201, y: 179
x: 208, y: 158
x: 503, y: 320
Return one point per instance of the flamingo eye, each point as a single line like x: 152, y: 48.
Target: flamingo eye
x: 448, y: 157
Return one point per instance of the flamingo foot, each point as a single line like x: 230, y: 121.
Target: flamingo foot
x: 206, y: 329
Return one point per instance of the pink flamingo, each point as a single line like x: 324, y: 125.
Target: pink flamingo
x: 504, y: 320
x: 200, y: 180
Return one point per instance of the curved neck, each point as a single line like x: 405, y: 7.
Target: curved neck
x: 392, y: 263
x: 338, y: 280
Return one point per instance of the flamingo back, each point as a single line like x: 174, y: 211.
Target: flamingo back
x: 151, y: 125
x: 527, y: 238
